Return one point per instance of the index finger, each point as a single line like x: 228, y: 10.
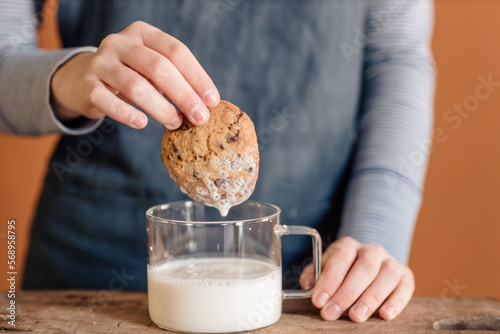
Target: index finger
x: 184, y: 61
x: 339, y: 259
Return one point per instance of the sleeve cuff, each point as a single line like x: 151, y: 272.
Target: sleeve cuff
x: 81, y: 125
x: 25, y: 94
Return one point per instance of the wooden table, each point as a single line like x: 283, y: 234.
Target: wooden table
x: 126, y: 312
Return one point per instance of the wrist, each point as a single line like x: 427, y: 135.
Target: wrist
x: 63, y: 91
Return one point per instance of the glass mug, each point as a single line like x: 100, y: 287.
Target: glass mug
x: 214, y: 274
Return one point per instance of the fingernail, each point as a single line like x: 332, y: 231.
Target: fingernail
x: 211, y: 97
x: 390, y: 311
x: 308, y: 284
x: 175, y: 123
x: 362, y: 311
x: 139, y: 121
x: 333, y: 311
x: 322, y: 299
x: 199, y: 113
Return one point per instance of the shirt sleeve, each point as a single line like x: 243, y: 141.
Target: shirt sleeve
x: 26, y: 73
x: 384, y: 193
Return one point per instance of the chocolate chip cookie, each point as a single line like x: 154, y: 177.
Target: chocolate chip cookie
x: 217, y: 163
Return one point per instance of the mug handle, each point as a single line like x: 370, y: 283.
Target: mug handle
x: 316, y: 244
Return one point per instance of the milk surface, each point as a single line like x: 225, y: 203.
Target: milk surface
x: 213, y: 295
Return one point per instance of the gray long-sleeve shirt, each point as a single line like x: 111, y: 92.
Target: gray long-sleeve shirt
x: 344, y: 78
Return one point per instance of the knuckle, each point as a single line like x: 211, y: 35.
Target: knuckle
x: 307, y: 269
x: 330, y: 277
x: 409, y: 281
x: 377, y: 249
x: 347, y: 297
x: 410, y: 274
x: 168, y: 116
x: 185, y: 97
x: 372, y: 301
x: 158, y: 68
x: 374, y: 249
x: 120, y: 112
x: 369, y: 262
x: 94, y: 64
x: 349, y: 240
x: 391, y: 268
x: 94, y: 94
x: 176, y: 49
x: 138, y: 25
x: 338, y: 251
x: 110, y: 41
x: 134, y: 89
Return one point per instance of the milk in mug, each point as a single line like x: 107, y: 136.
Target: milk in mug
x: 214, y: 294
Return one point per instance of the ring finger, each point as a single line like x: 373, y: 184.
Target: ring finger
x: 358, y: 279
x: 385, y: 282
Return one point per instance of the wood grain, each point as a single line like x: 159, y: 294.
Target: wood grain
x: 126, y: 312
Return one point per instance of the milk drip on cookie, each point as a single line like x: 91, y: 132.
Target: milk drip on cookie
x: 217, y: 163
x: 229, y: 188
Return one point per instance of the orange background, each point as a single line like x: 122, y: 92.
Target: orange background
x: 456, y: 249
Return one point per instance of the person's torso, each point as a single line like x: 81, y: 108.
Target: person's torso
x: 280, y: 61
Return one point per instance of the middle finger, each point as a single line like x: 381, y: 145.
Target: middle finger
x: 362, y: 273
x: 167, y: 77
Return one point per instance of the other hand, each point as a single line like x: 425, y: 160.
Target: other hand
x: 359, y: 278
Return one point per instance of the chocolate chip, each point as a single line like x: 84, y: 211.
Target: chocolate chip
x: 185, y: 126
x: 250, y: 169
x: 179, y: 157
x: 239, y: 155
x: 221, y: 146
x: 218, y: 182
x: 235, y: 138
x: 223, y: 196
x: 175, y: 149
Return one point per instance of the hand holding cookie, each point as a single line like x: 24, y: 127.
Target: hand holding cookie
x: 138, y: 66
x: 217, y: 163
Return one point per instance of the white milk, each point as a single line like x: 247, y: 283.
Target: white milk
x: 214, y: 294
